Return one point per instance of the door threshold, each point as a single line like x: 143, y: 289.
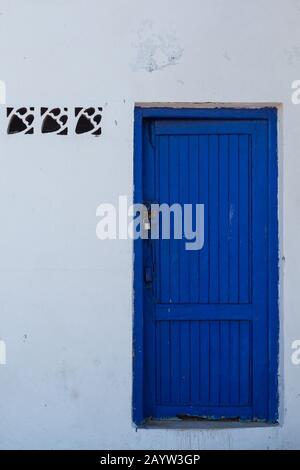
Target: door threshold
x: 188, y: 424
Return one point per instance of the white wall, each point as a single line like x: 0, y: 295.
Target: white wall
x: 66, y: 297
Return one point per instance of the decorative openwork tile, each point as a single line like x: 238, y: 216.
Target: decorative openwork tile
x: 88, y: 120
x: 54, y: 120
x: 20, y: 120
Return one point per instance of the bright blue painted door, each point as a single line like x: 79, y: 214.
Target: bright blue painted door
x: 206, y: 324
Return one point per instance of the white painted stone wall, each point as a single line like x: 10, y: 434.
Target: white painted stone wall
x: 66, y: 297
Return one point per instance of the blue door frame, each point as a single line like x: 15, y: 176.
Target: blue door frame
x: 269, y: 117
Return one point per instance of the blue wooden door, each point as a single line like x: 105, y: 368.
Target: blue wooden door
x: 207, y: 331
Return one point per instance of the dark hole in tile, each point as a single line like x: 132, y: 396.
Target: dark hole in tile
x: 88, y: 120
x: 54, y: 121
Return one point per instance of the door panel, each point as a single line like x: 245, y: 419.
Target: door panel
x: 206, y: 320
x: 201, y: 363
x: 213, y: 170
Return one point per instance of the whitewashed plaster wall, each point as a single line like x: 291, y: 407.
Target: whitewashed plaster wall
x: 65, y: 296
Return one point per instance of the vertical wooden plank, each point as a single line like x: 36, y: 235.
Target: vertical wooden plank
x: 174, y: 163
x: 204, y: 199
x: 165, y: 361
x: 204, y: 337
x: 214, y: 363
x: 225, y: 362
x: 234, y: 369
x: 149, y: 176
x: 175, y: 363
x: 244, y: 363
x: 213, y: 219
x: 273, y: 278
x: 164, y: 198
x: 244, y: 219
x: 233, y: 219
x: 193, y: 199
x: 185, y: 358
x: 184, y: 195
x: 260, y: 263
x: 158, y: 363
x: 195, y: 362
x: 224, y: 213
x: 156, y: 243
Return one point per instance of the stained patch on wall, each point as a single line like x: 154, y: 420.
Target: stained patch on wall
x: 54, y: 120
x: 88, y: 120
x: 20, y: 120
x: 155, y: 51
